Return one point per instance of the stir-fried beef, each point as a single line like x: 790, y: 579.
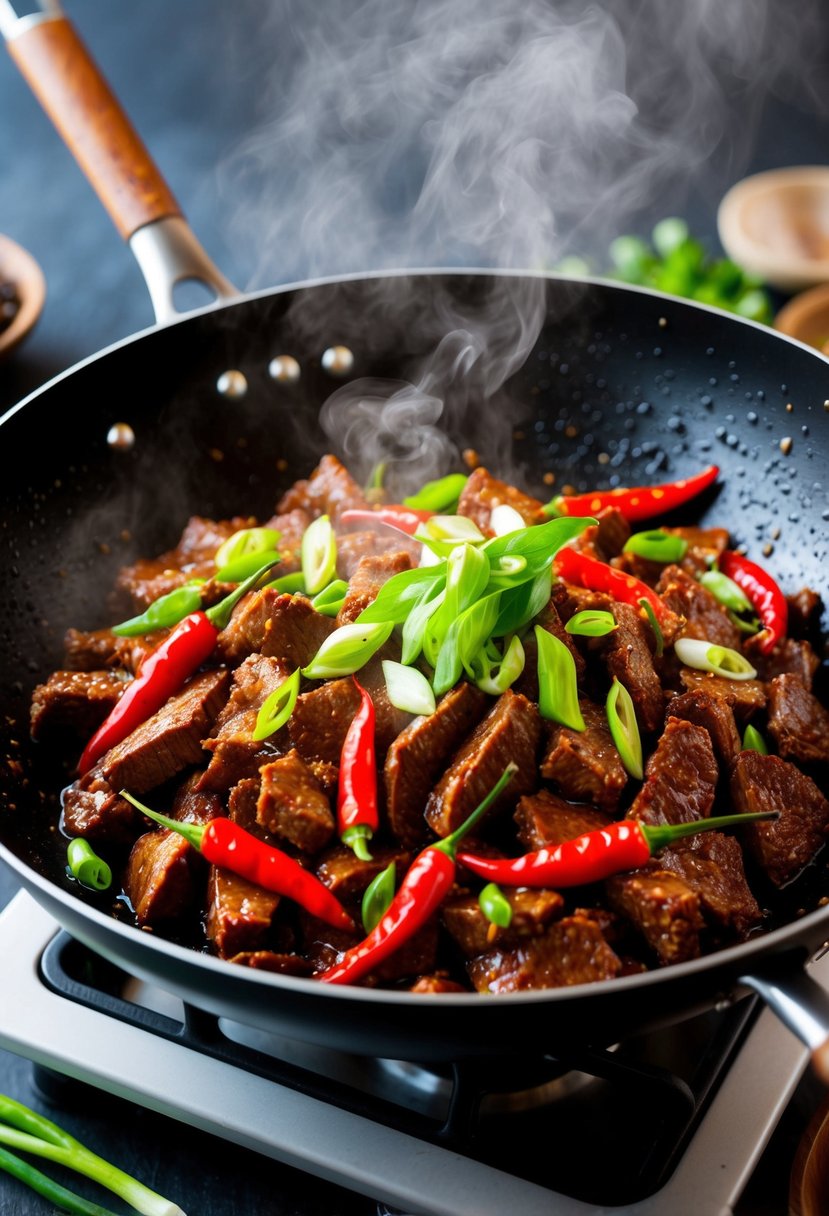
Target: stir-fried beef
x: 745, y: 697
x: 324, y: 946
x: 628, y: 657
x: 292, y: 804
x: 797, y: 721
x: 290, y: 525
x: 663, y: 908
x: 322, y: 716
x: 75, y: 701
x: 585, y: 765
x: 419, y: 754
x: 544, y: 818
x: 91, y: 807
x: 367, y: 579
x: 280, y: 626
x: 234, y: 751
x: 712, y: 713
x: 532, y: 911
x: 483, y: 492
x: 612, y: 532
x: 705, y: 545
x: 511, y: 731
x: 805, y: 610
x: 99, y: 648
x: 193, y: 557
x: 329, y: 490
x: 783, y: 846
x: 788, y: 658
x: 712, y: 866
x: 571, y: 951
x: 704, y: 616
x: 352, y: 547
x: 432, y: 984
x: 680, y: 777
x: 347, y: 876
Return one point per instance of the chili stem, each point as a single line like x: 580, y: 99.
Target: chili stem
x: 449, y: 844
x: 665, y: 834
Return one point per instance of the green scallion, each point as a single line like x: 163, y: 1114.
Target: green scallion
x: 330, y: 600
x: 408, y: 688
x: 504, y: 520
x: 726, y: 591
x: 656, y: 628
x: 84, y: 864
x: 57, y: 1195
x: 246, y: 540
x: 347, y: 649
x: 277, y: 708
x: 591, y: 623
x: 319, y: 555
x: 246, y: 564
x: 440, y: 495
x: 495, y: 906
x: 753, y: 741
x: 558, y: 695
x: 377, y: 896
x: 721, y: 660
x: 289, y: 584
x: 624, y: 729
x: 495, y: 672
x: 466, y: 636
x: 657, y: 545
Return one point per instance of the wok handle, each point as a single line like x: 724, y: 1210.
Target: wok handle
x: 801, y: 1004
x: 68, y: 83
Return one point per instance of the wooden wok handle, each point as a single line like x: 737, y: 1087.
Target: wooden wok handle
x: 69, y: 85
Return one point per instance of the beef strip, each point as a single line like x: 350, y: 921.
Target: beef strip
x: 292, y: 805
x: 98, y: 648
x: 329, y: 490
x: 585, y: 765
x: 798, y: 722
x: 680, y: 777
x: 371, y: 573
x: 352, y: 547
x: 805, y: 611
x: 705, y: 617
x: 571, y: 951
x: 91, y: 807
x: 663, y: 908
x: 787, y: 658
x: 532, y: 911
x: 321, y: 717
x: 234, y: 751
x: 483, y: 492
x: 75, y: 702
x: 193, y: 557
x: 511, y: 731
x: 544, y: 818
x: 782, y: 847
x: 612, y: 532
x: 712, y: 713
x: 745, y: 697
x: 628, y: 658
x: 280, y: 626
x: 347, y: 876
x: 712, y: 866
x: 419, y: 754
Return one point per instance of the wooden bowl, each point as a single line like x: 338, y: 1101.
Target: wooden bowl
x: 809, y: 1182
x: 806, y: 317
x: 19, y: 267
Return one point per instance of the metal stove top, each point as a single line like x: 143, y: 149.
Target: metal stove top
x: 210, y: 1090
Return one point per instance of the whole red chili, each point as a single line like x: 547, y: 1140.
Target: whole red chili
x: 165, y: 670
x: 585, y: 571
x: 403, y: 519
x: 620, y: 846
x: 427, y: 882
x: 227, y: 844
x: 357, y: 791
x: 767, y: 600
x: 639, y: 502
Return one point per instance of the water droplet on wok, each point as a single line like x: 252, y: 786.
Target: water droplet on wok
x: 284, y: 368
x: 337, y: 360
x: 232, y: 384
x: 121, y: 437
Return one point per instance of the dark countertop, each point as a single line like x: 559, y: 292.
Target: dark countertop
x: 191, y: 76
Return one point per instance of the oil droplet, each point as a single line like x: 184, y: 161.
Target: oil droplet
x: 121, y: 437
x: 337, y: 360
x: 284, y: 368
x: 232, y: 384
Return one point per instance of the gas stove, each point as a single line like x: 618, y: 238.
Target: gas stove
x: 682, y: 1115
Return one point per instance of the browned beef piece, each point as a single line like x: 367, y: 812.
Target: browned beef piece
x: 292, y: 805
x: 281, y: 626
x: 239, y: 913
x: 329, y: 490
x: 322, y: 716
x: 628, y: 657
x: 327, y: 775
x: 159, y: 877
x: 270, y: 960
x: 805, y: 610
x: 532, y: 911
x: 91, y: 807
x: 419, y: 754
x: 680, y: 777
x: 797, y: 721
x: 74, y: 701
x: 712, y: 713
x: 612, y: 532
x: 370, y: 575
x: 235, y: 753
x: 572, y: 951
x: 190, y: 805
x: 483, y: 492
x: 782, y: 846
x: 511, y: 731
x: 712, y: 866
x: 91, y: 651
x: 788, y: 658
x: 352, y: 547
x: 745, y: 697
x: 663, y: 908
x: 169, y: 741
x: 436, y: 984
x: 193, y: 557
x: 348, y: 877
x: 585, y: 765
x: 705, y: 545
x: 290, y: 525
x: 544, y: 818
x: 705, y: 617
x: 568, y: 600
x: 324, y: 946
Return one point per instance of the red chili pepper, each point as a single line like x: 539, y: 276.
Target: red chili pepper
x: 767, y: 600
x: 428, y: 880
x: 164, y: 671
x: 620, y: 846
x: 357, y: 793
x: 402, y: 519
x: 227, y: 844
x: 640, y: 502
x: 589, y: 572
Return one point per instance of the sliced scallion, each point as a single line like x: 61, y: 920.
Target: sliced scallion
x: 347, y: 649
x: 726, y: 591
x: 624, y: 729
x: 495, y: 906
x: 416, y: 623
x: 558, y: 694
x: 520, y: 604
x: 509, y: 570
x: 658, y: 635
x: 399, y: 595
x: 246, y: 540
x: 289, y: 584
x: 753, y: 741
x: 330, y: 600
x: 591, y: 623
x: 84, y: 864
x: 244, y: 565
x: 277, y: 708
x: 377, y: 896
x: 319, y: 555
x: 497, y: 671
x: 439, y: 495
x: 442, y: 532
x: 466, y: 636
x: 408, y: 688
x: 504, y: 519
x: 657, y: 545
x: 721, y: 660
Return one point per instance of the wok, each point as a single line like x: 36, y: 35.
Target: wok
x: 619, y: 382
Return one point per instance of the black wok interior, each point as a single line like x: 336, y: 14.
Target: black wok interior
x: 619, y: 384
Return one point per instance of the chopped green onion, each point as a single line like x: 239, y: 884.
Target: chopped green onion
x: 466, y: 636
x: 247, y: 540
x: 319, y: 555
x: 558, y: 695
x: 520, y: 604
x: 163, y: 613
x: 495, y: 906
x: 374, y: 485
x: 84, y: 864
x: 440, y: 495
x: 442, y: 532
x: 507, y: 570
x: 504, y: 519
x: 277, y: 708
x: 657, y: 545
x: 347, y: 649
x: 330, y: 600
x: 753, y: 741
x: 497, y: 671
x: 401, y: 593
x: 591, y: 623
x: 377, y: 896
x: 467, y: 574
x: 538, y: 544
x: 408, y: 688
x: 414, y: 628
x: 241, y: 567
x: 658, y: 635
x: 289, y: 584
x: 624, y: 729
x: 57, y: 1195
x: 721, y: 660
x: 726, y: 591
